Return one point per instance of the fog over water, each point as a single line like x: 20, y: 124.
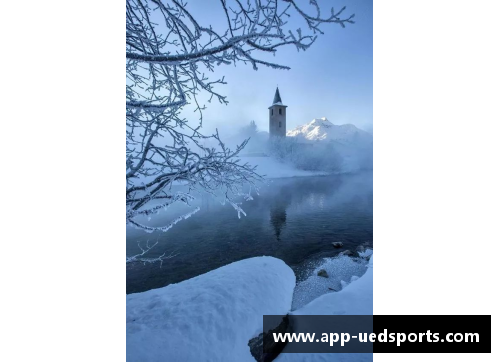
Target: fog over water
x: 294, y: 219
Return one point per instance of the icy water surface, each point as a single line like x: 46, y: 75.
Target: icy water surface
x: 294, y: 219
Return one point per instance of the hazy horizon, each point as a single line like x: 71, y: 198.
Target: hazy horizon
x: 332, y: 79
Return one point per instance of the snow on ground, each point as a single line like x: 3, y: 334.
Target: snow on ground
x: 213, y: 316
x: 210, y: 317
x: 271, y: 168
x: 354, y: 299
x: 267, y: 166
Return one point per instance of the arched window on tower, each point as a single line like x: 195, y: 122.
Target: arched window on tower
x: 280, y: 124
x: 271, y: 112
x: 280, y: 110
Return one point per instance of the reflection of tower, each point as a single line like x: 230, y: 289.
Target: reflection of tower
x: 278, y: 210
x: 278, y: 219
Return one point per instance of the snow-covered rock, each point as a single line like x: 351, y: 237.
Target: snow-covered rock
x: 210, y: 317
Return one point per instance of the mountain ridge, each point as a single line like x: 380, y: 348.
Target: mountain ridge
x: 322, y: 129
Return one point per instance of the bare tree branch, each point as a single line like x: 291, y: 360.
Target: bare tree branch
x: 168, y: 54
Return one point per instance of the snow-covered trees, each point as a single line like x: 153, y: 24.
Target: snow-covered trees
x: 306, y: 156
x: 283, y: 148
x: 168, y: 53
x: 249, y: 130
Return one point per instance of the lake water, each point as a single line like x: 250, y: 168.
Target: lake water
x: 294, y: 219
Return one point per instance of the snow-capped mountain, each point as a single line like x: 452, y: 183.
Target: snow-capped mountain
x: 354, y: 145
x: 323, y: 129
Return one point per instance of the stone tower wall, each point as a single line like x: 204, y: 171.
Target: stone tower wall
x: 274, y: 121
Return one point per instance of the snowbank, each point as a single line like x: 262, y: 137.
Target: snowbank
x: 271, y: 168
x: 210, y: 317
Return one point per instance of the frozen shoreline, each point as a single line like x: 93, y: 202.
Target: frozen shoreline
x: 271, y: 168
x: 214, y: 315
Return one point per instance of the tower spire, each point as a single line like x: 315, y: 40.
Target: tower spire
x: 277, y: 97
x: 277, y: 116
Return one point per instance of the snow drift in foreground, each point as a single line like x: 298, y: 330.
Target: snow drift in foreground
x: 210, y: 317
x: 213, y: 316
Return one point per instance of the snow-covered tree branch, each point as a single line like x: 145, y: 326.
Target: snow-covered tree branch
x: 168, y: 56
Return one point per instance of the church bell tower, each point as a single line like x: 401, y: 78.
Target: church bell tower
x: 277, y: 117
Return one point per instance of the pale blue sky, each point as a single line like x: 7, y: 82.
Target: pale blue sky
x: 333, y: 78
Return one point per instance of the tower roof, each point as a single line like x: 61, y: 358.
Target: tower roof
x: 277, y: 99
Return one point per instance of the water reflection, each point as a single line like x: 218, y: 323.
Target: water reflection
x: 292, y: 219
x: 278, y: 217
